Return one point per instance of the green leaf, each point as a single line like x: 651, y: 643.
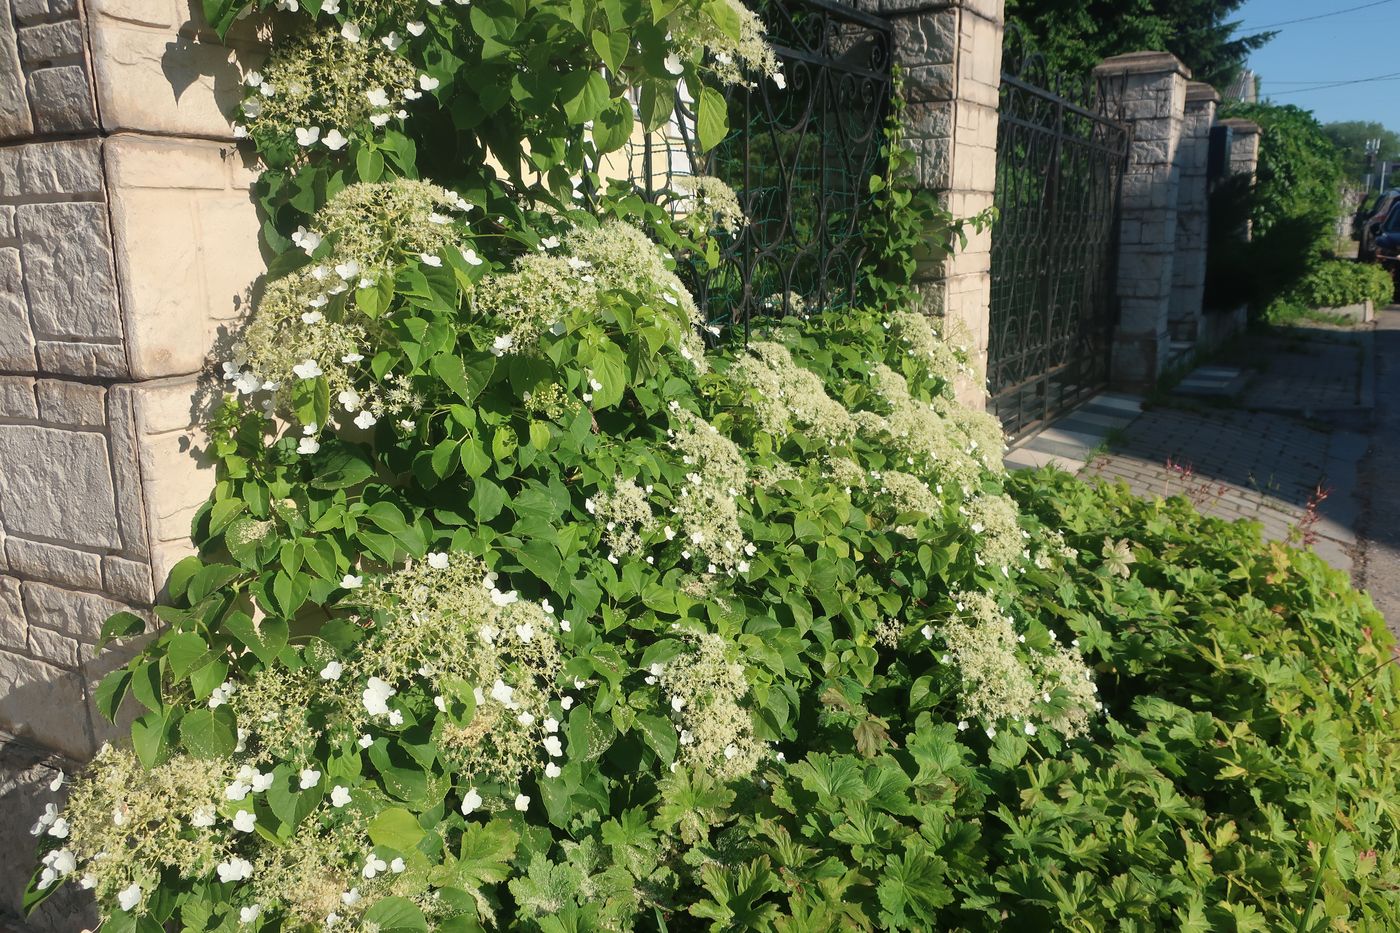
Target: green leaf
x: 150, y: 737
x: 347, y: 465
x: 611, y: 48
x: 585, y: 93
x: 209, y: 733
x: 221, y: 13
x: 487, y: 500
x: 613, y: 126
x: 111, y: 691
x: 395, y: 828
x: 476, y: 372
x: 396, y: 915
x: 183, y: 651
x: 711, y: 119
x: 121, y: 625
x: 912, y: 886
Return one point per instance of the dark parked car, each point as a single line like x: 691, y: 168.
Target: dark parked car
x: 1387, y: 241
x: 1369, y: 223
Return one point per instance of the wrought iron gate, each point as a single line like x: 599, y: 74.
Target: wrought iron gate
x: 1060, y: 163
x: 800, y: 158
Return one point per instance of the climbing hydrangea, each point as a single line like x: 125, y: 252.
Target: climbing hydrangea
x: 321, y: 89
x: 125, y: 824
x: 706, y: 687
x: 1000, y: 681
x: 733, y: 60
x: 706, y: 507
x: 626, y: 516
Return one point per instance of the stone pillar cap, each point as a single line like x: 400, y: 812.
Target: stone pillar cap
x: 1241, y: 127
x: 1143, y: 63
x: 1199, y: 91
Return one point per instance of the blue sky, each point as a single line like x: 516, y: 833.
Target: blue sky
x: 1343, y: 47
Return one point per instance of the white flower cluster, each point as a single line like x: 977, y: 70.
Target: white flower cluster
x: 706, y: 508
x: 625, y: 514
x: 706, y: 687
x: 308, y: 325
x: 566, y: 283
x: 325, y: 87
x: 782, y: 392
x: 444, y: 626
x: 696, y: 32
x: 1002, y: 681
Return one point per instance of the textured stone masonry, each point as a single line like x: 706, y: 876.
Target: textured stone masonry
x: 128, y: 248
x: 1148, y: 91
x: 1192, y: 213
x: 950, y: 54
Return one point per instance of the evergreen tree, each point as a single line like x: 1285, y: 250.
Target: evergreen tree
x: 1075, y: 35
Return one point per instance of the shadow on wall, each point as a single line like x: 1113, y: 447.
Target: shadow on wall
x: 27, y: 774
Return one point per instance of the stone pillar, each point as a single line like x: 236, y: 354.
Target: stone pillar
x: 1192, y: 214
x: 128, y: 240
x: 950, y: 54
x: 1148, y: 91
x: 1244, y: 154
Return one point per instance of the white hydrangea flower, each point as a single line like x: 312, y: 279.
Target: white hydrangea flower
x: 128, y: 898
x: 522, y: 802
x: 471, y: 800
x: 340, y: 796
x: 244, y: 821
x: 376, y: 695
x: 332, y: 670
x: 308, y: 778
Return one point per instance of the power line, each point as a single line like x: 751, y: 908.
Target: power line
x: 1309, y: 19
x: 1393, y: 76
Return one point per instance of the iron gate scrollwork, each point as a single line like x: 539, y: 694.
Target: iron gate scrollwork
x: 1060, y: 164
x: 799, y: 157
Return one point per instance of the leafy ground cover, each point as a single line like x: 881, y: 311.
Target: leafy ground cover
x: 519, y: 605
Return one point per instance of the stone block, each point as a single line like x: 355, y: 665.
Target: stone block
x: 187, y: 247
x: 17, y: 398
x: 128, y: 580
x: 68, y: 270
x: 14, y: 627
x: 152, y: 81
x: 50, y: 42
x: 63, y: 167
x: 8, y: 230
x: 57, y: 485
x: 61, y: 100
x: 30, y: 12
x: 72, y: 404
x: 52, y: 562
x: 14, y: 109
x: 81, y: 358
x: 75, y: 613
x: 55, y: 647
x: 177, y: 474
x: 45, y: 704
x: 16, y: 338
x: 130, y: 507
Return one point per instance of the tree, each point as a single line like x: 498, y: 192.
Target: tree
x: 1075, y: 35
x: 1351, y: 137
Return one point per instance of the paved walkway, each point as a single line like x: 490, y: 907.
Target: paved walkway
x: 1379, y: 568
x: 1275, y: 435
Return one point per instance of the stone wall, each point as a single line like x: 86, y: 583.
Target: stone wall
x: 128, y: 246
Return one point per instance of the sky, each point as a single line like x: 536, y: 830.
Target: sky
x: 1346, y: 46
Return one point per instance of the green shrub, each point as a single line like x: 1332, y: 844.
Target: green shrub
x: 1340, y: 282
x: 515, y: 606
